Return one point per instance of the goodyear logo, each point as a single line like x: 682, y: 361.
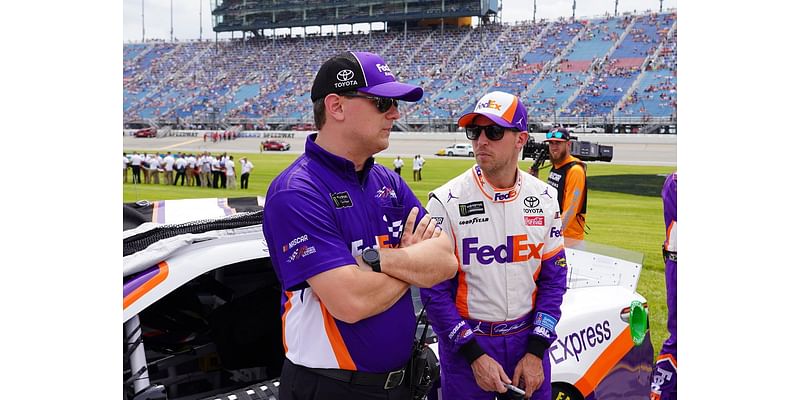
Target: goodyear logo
x: 517, y: 248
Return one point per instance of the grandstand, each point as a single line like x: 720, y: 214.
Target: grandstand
x: 619, y: 71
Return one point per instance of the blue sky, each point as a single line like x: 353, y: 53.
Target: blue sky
x: 187, y: 14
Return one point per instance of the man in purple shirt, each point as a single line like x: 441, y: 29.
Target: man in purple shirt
x: 347, y: 238
x: 664, y: 383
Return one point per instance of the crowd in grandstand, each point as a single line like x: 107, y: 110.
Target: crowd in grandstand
x: 185, y: 169
x: 559, y: 67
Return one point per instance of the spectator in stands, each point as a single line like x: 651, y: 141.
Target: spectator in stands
x: 247, y: 166
x: 568, y: 176
x: 125, y: 163
x: 398, y: 165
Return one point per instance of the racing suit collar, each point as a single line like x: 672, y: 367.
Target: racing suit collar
x: 338, y: 165
x: 497, y: 195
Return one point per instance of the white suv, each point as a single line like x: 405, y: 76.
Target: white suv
x: 459, y: 149
x: 584, y: 128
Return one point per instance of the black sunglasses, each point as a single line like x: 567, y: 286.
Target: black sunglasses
x: 493, y: 132
x: 382, y: 103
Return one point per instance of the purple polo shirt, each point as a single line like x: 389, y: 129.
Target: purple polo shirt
x: 318, y: 215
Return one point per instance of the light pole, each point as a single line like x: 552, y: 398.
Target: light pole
x: 142, y: 21
x: 534, y: 12
x: 171, y: 37
x: 573, y: 9
x: 201, y: 20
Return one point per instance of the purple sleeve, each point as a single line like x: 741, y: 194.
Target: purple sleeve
x: 551, y: 284
x: 669, y: 195
x: 439, y: 299
x: 302, y: 237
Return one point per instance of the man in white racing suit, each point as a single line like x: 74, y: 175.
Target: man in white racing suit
x: 497, y: 317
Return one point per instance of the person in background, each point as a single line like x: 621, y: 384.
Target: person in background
x: 664, y: 382
x: 568, y: 176
x: 125, y: 163
x: 398, y: 165
x: 136, y: 168
x: 169, y: 162
x: 247, y: 166
x: 230, y: 173
x: 180, y: 168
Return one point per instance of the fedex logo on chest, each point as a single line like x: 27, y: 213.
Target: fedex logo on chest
x: 517, y: 248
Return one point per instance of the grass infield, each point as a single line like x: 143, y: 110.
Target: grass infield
x: 624, y: 209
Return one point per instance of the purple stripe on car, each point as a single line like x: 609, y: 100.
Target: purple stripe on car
x: 138, y: 279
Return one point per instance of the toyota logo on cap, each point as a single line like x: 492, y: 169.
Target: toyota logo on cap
x: 344, y: 75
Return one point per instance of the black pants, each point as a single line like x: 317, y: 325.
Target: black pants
x: 245, y: 179
x: 181, y: 174
x: 215, y: 174
x: 298, y: 383
x: 137, y: 174
x: 398, y: 170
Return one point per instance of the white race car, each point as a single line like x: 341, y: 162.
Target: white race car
x: 201, y: 310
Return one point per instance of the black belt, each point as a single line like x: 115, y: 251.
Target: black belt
x: 670, y: 255
x: 387, y: 380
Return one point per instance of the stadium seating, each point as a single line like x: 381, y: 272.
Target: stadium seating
x: 604, y: 67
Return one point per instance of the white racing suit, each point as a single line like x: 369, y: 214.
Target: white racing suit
x: 505, y: 299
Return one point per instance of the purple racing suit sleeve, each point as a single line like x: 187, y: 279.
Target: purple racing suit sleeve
x: 551, y: 284
x: 302, y: 237
x: 439, y: 299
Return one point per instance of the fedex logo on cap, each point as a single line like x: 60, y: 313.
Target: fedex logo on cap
x: 515, y: 249
x: 489, y: 104
x: 385, y: 69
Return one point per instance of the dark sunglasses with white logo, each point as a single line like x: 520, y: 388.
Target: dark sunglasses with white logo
x: 493, y: 132
x: 382, y: 103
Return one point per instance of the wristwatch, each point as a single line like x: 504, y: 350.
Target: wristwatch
x: 373, y: 258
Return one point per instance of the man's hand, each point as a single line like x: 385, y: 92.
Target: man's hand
x: 426, y: 229
x: 489, y: 375
x: 529, y: 374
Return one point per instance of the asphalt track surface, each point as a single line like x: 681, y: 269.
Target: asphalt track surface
x: 660, y: 150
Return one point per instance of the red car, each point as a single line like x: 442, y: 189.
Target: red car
x: 146, y: 132
x: 275, y: 145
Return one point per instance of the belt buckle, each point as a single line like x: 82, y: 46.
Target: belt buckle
x: 394, y: 379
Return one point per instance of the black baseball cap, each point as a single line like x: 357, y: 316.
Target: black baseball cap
x: 557, y: 135
x: 362, y: 71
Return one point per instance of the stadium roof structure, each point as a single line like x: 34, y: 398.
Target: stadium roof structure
x: 254, y: 15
